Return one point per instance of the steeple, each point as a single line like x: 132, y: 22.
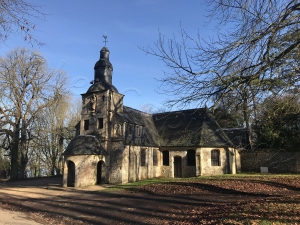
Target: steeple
x: 103, y: 68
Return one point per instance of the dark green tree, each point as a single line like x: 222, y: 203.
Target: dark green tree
x: 278, y: 125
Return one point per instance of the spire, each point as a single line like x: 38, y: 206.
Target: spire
x: 103, y: 68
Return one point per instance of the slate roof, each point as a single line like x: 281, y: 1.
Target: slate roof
x: 85, y: 145
x: 193, y: 127
x: 238, y: 136
x: 148, y: 135
x: 99, y: 86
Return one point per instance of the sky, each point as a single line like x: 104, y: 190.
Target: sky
x: 73, y: 35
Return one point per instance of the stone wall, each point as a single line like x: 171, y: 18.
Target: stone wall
x: 132, y: 164
x: 277, y: 162
x: 166, y: 171
x: 85, y: 169
x: 207, y: 168
x: 189, y: 171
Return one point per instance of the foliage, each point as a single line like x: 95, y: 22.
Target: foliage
x: 278, y: 125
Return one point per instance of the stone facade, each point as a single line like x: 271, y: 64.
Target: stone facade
x: 118, y: 144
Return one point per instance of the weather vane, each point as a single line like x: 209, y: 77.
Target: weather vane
x: 105, y: 37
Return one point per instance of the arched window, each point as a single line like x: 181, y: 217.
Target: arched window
x: 143, y: 157
x: 166, y: 158
x: 215, y: 157
x: 191, y: 157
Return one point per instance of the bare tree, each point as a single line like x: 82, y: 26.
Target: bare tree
x: 262, y: 39
x: 16, y: 16
x: 27, y: 86
x: 256, y: 55
x: 53, y: 129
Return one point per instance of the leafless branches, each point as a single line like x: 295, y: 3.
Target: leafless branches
x: 18, y: 16
x: 27, y: 87
x: 261, y: 40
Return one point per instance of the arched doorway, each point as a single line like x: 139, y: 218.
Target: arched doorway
x: 177, y: 166
x: 100, y: 172
x: 71, y: 174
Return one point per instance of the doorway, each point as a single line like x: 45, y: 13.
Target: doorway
x: 71, y: 174
x: 177, y: 166
x: 100, y: 171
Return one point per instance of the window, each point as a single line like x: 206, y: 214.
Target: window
x: 100, y: 123
x: 138, y: 131
x: 191, y: 157
x: 143, y: 157
x: 130, y: 129
x: 166, y: 158
x: 155, y: 157
x: 215, y: 157
x: 86, y: 124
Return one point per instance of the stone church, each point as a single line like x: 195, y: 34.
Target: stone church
x: 118, y: 144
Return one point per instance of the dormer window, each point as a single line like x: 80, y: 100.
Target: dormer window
x: 138, y: 131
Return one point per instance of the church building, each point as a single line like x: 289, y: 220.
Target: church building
x: 118, y: 144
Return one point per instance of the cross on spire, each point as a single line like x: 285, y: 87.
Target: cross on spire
x: 105, y: 37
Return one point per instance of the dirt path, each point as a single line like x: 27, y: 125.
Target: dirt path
x: 8, y: 217
x: 211, y: 201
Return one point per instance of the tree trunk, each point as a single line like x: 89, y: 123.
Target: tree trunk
x: 60, y: 150
x: 24, y: 156
x: 247, y: 118
x: 24, y: 161
x: 15, y: 151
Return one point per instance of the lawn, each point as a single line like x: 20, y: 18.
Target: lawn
x: 228, y: 199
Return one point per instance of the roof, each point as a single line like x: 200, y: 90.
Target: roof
x: 148, y: 135
x: 99, y: 86
x: 193, y: 127
x: 238, y: 136
x: 85, y: 145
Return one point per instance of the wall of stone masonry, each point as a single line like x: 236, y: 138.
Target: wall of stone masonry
x: 277, y: 161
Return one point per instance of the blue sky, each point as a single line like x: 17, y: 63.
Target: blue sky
x: 73, y: 33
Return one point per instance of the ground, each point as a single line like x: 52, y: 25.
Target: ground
x: 239, y: 199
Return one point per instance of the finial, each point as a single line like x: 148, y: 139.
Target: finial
x: 105, y: 37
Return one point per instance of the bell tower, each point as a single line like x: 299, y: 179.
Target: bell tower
x: 101, y: 102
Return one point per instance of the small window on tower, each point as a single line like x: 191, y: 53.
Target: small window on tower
x: 86, y: 124
x: 100, y: 123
